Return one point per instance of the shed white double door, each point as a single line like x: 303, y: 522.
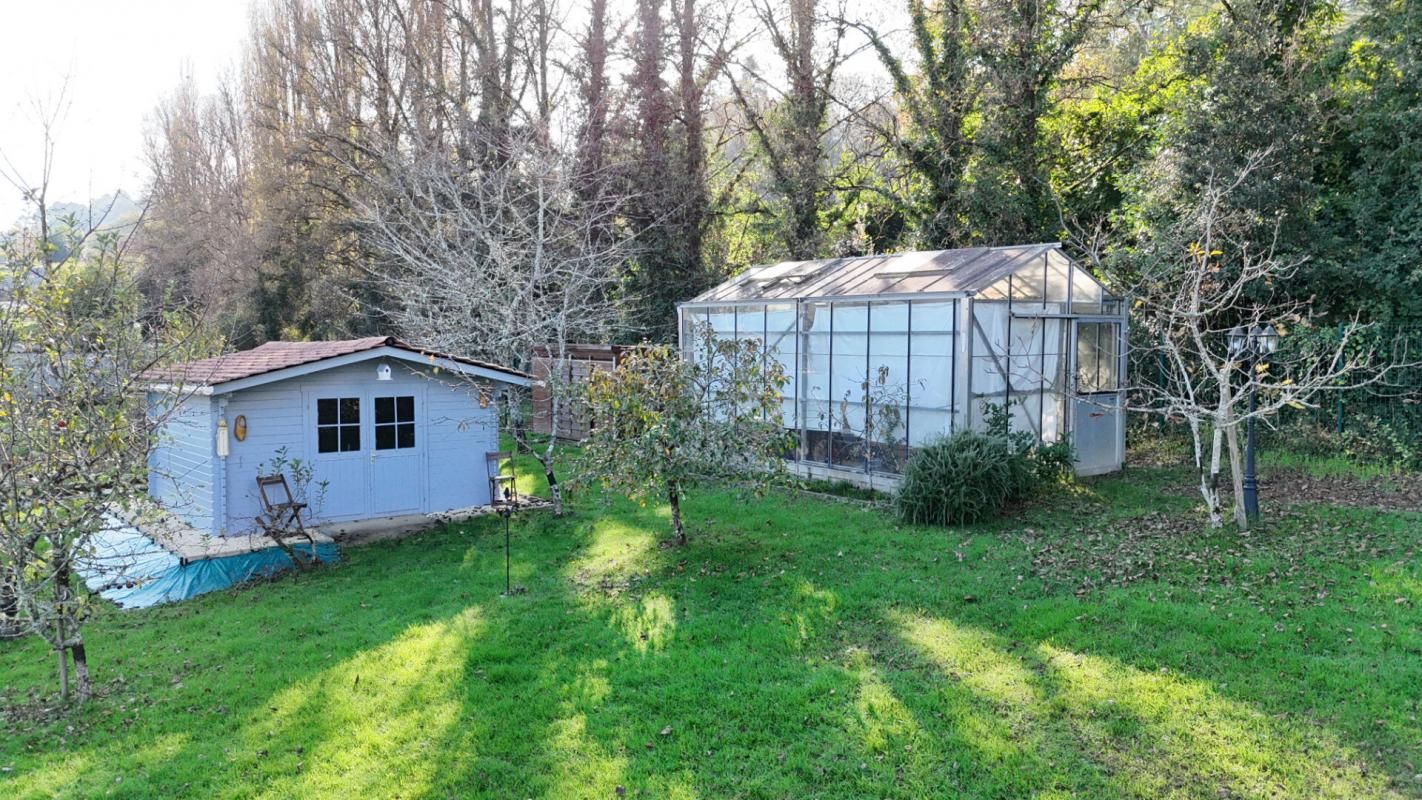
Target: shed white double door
x: 368, y: 446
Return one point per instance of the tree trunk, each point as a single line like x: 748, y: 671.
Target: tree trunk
x: 1208, y: 486
x: 555, y: 490
x: 63, y: 670
x: 60, y: 634
x: 674, y: 497
x: 9, y: 610
x: 1212, y: 497
x: 1237, y: 477
x: 82, y: 688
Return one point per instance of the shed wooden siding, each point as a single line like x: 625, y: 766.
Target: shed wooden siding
x: 182, y: 463
x: 580, y: 362
x: 452, y: 432
x: 460, y: 434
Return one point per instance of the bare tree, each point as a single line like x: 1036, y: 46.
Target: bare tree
x: 1204, y: 280
x: 493, y: 261
x: 196, y: 240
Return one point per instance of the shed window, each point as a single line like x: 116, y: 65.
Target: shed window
x: 394, y: 422
x: 337, y: 424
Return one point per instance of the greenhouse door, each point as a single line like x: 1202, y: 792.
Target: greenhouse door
x: 1096, y: 431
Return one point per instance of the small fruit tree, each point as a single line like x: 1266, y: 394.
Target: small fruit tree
x: 660, y: 423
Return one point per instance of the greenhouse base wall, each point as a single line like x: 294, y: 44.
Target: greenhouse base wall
x: 879, y: 481
x: 888, y: 482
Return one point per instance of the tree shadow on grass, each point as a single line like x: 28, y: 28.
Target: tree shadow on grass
x: 345, y: 679
x: 1093, y: 726
x: 790, y: 703
x: 755, y: 662
x: 1307, y: 619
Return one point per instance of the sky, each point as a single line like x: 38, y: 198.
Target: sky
x: 112, y: 61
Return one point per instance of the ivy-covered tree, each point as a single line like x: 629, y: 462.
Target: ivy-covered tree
x: 1244, y: 84
x: 1024, y: 45
x: 936, y: 101
x: 661, y: 423
x: 788, y: 119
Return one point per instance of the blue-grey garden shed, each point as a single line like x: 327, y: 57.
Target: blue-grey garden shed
x: 389, y: 429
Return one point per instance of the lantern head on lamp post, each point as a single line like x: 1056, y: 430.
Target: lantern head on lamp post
x: 1238, y: 341
x: 1268, y: 340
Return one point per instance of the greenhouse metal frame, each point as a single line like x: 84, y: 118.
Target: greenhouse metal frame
x: 884, y: 354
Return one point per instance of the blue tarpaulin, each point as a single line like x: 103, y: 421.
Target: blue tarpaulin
x: 133, y: 571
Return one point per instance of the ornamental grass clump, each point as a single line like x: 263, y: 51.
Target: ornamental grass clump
x: 972, y: 476
x: 958, y: 480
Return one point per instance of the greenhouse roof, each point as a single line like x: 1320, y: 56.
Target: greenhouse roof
x: 970, y: 269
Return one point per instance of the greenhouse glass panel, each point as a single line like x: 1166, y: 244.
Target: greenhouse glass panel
x: 691, y: 320
x: 848, y: 373
x: 780, y: 346
x: 997, y: 291
x: 1026, y: 364
x: 1097, y: 357
x: 1085, y: 293
x: 750, y: 325
x: 814, y: 389
x: 722, y: 320
x: 1058, y: 281
x: 990, y: 328
x: 1054, y: 361
x: 987, y: 370
x: 1027, y: 383
x: 1027, y: 283
x: 931, y: 366
x: 888, y: 385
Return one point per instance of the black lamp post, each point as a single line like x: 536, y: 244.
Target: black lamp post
x: 1251, y: 345
x: 506, y: 510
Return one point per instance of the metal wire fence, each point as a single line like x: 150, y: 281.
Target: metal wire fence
x: 1376, y: 418
x: 1395, y: 399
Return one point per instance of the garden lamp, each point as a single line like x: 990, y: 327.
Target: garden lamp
x: 1268, y: 340
x: 1238, y: 340
x: 506, y: 511
x: 1261, y: 340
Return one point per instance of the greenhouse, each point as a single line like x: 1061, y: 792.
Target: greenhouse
x: 887, y: 353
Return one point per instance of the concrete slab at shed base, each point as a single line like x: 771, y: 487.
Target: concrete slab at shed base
x: 366, y: 531
x: 143, y: 557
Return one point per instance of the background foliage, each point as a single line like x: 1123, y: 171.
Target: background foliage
x: 716, y: 134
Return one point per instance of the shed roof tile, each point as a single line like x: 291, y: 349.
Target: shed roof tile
x: 274, y: 356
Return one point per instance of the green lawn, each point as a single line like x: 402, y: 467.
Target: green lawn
x: 798, y: 647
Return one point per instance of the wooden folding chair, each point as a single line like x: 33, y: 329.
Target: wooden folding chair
x: 281, y: 509
x: 502, y: 488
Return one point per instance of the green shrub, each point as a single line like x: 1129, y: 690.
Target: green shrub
x: 958, y: 480
x: 1053, y: 462
x: 971, y: 476
x: 1394, y: 444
